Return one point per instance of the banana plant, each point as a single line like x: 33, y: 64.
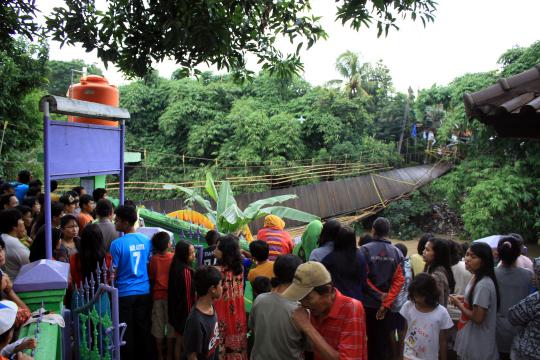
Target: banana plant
x: 228, y: 217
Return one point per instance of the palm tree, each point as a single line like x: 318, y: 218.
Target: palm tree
x: 348, y: 65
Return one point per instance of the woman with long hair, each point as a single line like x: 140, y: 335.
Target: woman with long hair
x: 438, y: 264
x: 83, y: 265
x: 477, y: 326
x: 91, y: 254
x: 181, y: 291
x: 515, y: 284
x: 329, y: 233
x: 230, y: 307
x: 347, y: 265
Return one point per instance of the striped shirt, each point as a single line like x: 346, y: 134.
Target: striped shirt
x: 344, y: 328
x: 279, y: 242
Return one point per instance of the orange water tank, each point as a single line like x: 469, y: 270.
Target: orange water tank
x: 96, y: 89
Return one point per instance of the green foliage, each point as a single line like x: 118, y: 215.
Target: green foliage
x: 61, y: 75
x: 17, y: 18
x: 22, y: 75
x: 406, y: 214
x: 207, y: 32
x: 133, y: 35
x: 517, y: 60
x: 389, y: 118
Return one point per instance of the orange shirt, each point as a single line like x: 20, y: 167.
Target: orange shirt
x: 83, y: 220
x: 158, y: 273
x: 266, y: 269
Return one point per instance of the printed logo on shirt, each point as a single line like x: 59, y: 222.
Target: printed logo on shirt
x: 136, y: 247
x: 214, y: 341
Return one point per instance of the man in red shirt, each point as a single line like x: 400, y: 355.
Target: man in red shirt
x: 336, y: 327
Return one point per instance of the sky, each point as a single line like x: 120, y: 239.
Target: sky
x: 467, y: 36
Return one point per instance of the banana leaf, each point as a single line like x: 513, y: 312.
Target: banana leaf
x: 211, y: 187
x: 193, y: 195
x: 253, y: 208
x: 287, y: 213
x: 233, y: 215
x: 225, y: 198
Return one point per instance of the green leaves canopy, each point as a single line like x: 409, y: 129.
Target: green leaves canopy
x: 134, y: 34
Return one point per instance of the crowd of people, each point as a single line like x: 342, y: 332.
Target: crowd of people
x: 329, y: 296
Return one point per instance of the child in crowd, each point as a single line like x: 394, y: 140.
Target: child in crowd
x: 86, y: 202
x: 181, y: 293
x: 477, y: 326
x: 158, y: 272
x: 201, y: 335
x: 261, y: 285
x: 426, y: 321
x: 208, y: 253
x: 259, y: 251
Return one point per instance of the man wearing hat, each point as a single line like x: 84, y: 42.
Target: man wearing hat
x: 8, y: 315
x: 335, y: 324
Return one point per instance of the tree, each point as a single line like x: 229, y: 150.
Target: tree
x: 137, y: 33
x: 61, y: 75
x: 22, y: 75
x: 17, y: 18
x: 348, y: 65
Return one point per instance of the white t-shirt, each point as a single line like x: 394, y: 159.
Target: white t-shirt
x: 422, y: 338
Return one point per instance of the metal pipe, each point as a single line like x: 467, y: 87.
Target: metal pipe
x: 122, y: 149
x: 47, y: 181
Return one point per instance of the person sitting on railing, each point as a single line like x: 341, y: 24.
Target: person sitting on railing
x: 278, y: 240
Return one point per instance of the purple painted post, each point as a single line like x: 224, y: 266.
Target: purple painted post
x: 47, y: 180
x: 122, y: 149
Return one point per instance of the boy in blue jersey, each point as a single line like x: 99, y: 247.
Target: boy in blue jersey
x: 130, y: 256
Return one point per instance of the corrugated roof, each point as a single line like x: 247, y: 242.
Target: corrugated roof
x: 511, y: 106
